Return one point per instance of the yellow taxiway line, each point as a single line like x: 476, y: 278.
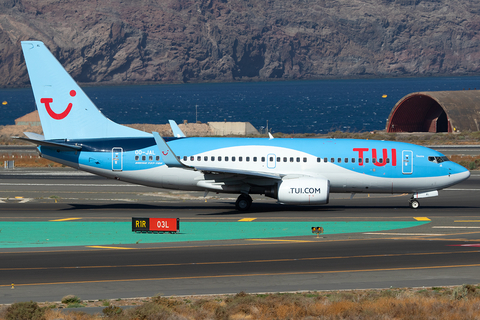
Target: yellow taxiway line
x: 66, y: 219
x: 105, y: 247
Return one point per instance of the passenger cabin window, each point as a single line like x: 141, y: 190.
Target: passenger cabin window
x: 298, y: 159
x: 150, y: 158
x: 325, y: 160
x: 332, y: 160
x: 366, y: 160
x: 247, y: 159
x: 346, y: 160
x: 219, y: 158
x: 263, y: 159
x: 192, y: 158
x: 254, y: 159
x: 157, y: 158
x: 226, y: 158
x: 284, y: 159
x: 233, y: 159
x: 339, y: 160
x: 199, y: 158
x: 278, y: 159
x: 388, y: 160
x: 184, y: 158
x: 205, y: 158
x: 291, y: 159
x: 374, y: 160
x: 240, y: 159
x: 136, y: 158
x: 353, y: 160
x: 304, y: 159
x: 143, y: 158
x: 319, y: 160
x: 212, y: 158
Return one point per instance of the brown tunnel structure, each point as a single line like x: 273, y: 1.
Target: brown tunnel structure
x: 436, y: 111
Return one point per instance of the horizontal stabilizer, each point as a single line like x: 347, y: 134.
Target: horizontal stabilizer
x: 34, y: 136
x: 50, y: 144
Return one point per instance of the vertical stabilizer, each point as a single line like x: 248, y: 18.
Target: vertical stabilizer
x: 65, y: 110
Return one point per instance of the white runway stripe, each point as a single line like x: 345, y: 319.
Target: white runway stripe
x: 72, y: 184
x: 448, y: 227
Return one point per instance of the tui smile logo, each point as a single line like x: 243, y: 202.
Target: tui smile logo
x: 54, y: 115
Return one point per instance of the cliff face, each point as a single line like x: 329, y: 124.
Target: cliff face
x: 225, y: 40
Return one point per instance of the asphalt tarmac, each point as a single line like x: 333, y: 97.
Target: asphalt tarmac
x: 370, y: 241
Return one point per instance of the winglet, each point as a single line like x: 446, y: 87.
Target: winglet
x: 270, y: 137
x: 168, y: 155
x: 177, y: 132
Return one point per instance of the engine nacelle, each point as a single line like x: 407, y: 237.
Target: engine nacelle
x: 304, y: 190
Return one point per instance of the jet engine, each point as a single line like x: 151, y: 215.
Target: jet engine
x: 304, y: 190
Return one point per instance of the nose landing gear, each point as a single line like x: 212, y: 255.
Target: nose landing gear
x: 413, y: 203
x: 243, y: 203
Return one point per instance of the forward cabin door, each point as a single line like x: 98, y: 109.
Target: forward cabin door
x: 117, y: 159
x: 407, y: 162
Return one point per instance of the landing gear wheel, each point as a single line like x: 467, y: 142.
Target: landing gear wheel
x: 414, y: 204
x: 243, y: 203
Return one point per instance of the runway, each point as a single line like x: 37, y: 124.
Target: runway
x: 370, y: 241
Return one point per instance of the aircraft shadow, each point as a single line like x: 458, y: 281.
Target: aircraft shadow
x: 229, y: 209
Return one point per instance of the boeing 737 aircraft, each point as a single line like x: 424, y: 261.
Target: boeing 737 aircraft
x: 293, y: 171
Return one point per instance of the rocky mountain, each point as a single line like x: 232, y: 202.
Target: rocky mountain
x: 226, y: 40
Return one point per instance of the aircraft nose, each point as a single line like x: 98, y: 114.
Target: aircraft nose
x: 464, y: 175
x: 459, y: 173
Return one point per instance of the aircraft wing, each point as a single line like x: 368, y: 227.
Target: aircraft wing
x: 171, y: 160
x: 240, y: 172
x: 177, y: 132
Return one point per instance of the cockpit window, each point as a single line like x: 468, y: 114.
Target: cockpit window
x: 438, y: 159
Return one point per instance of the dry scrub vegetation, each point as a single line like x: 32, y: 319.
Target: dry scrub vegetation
x: 461, y: 302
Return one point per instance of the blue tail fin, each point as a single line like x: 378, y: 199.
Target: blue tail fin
x: 65, y: 110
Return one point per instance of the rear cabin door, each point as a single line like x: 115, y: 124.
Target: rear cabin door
x: 117, y: 159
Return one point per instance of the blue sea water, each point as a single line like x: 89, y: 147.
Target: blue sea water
x: 318, y: 106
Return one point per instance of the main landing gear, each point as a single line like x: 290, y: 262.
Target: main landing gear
x: 413, y: 203
x: 243, y: 203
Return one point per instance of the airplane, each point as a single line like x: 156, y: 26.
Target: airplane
x: 293, y: 171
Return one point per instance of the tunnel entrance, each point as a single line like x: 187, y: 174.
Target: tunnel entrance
x: 418, y: 113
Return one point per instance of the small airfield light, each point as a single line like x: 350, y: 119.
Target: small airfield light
x: 317, y: 230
